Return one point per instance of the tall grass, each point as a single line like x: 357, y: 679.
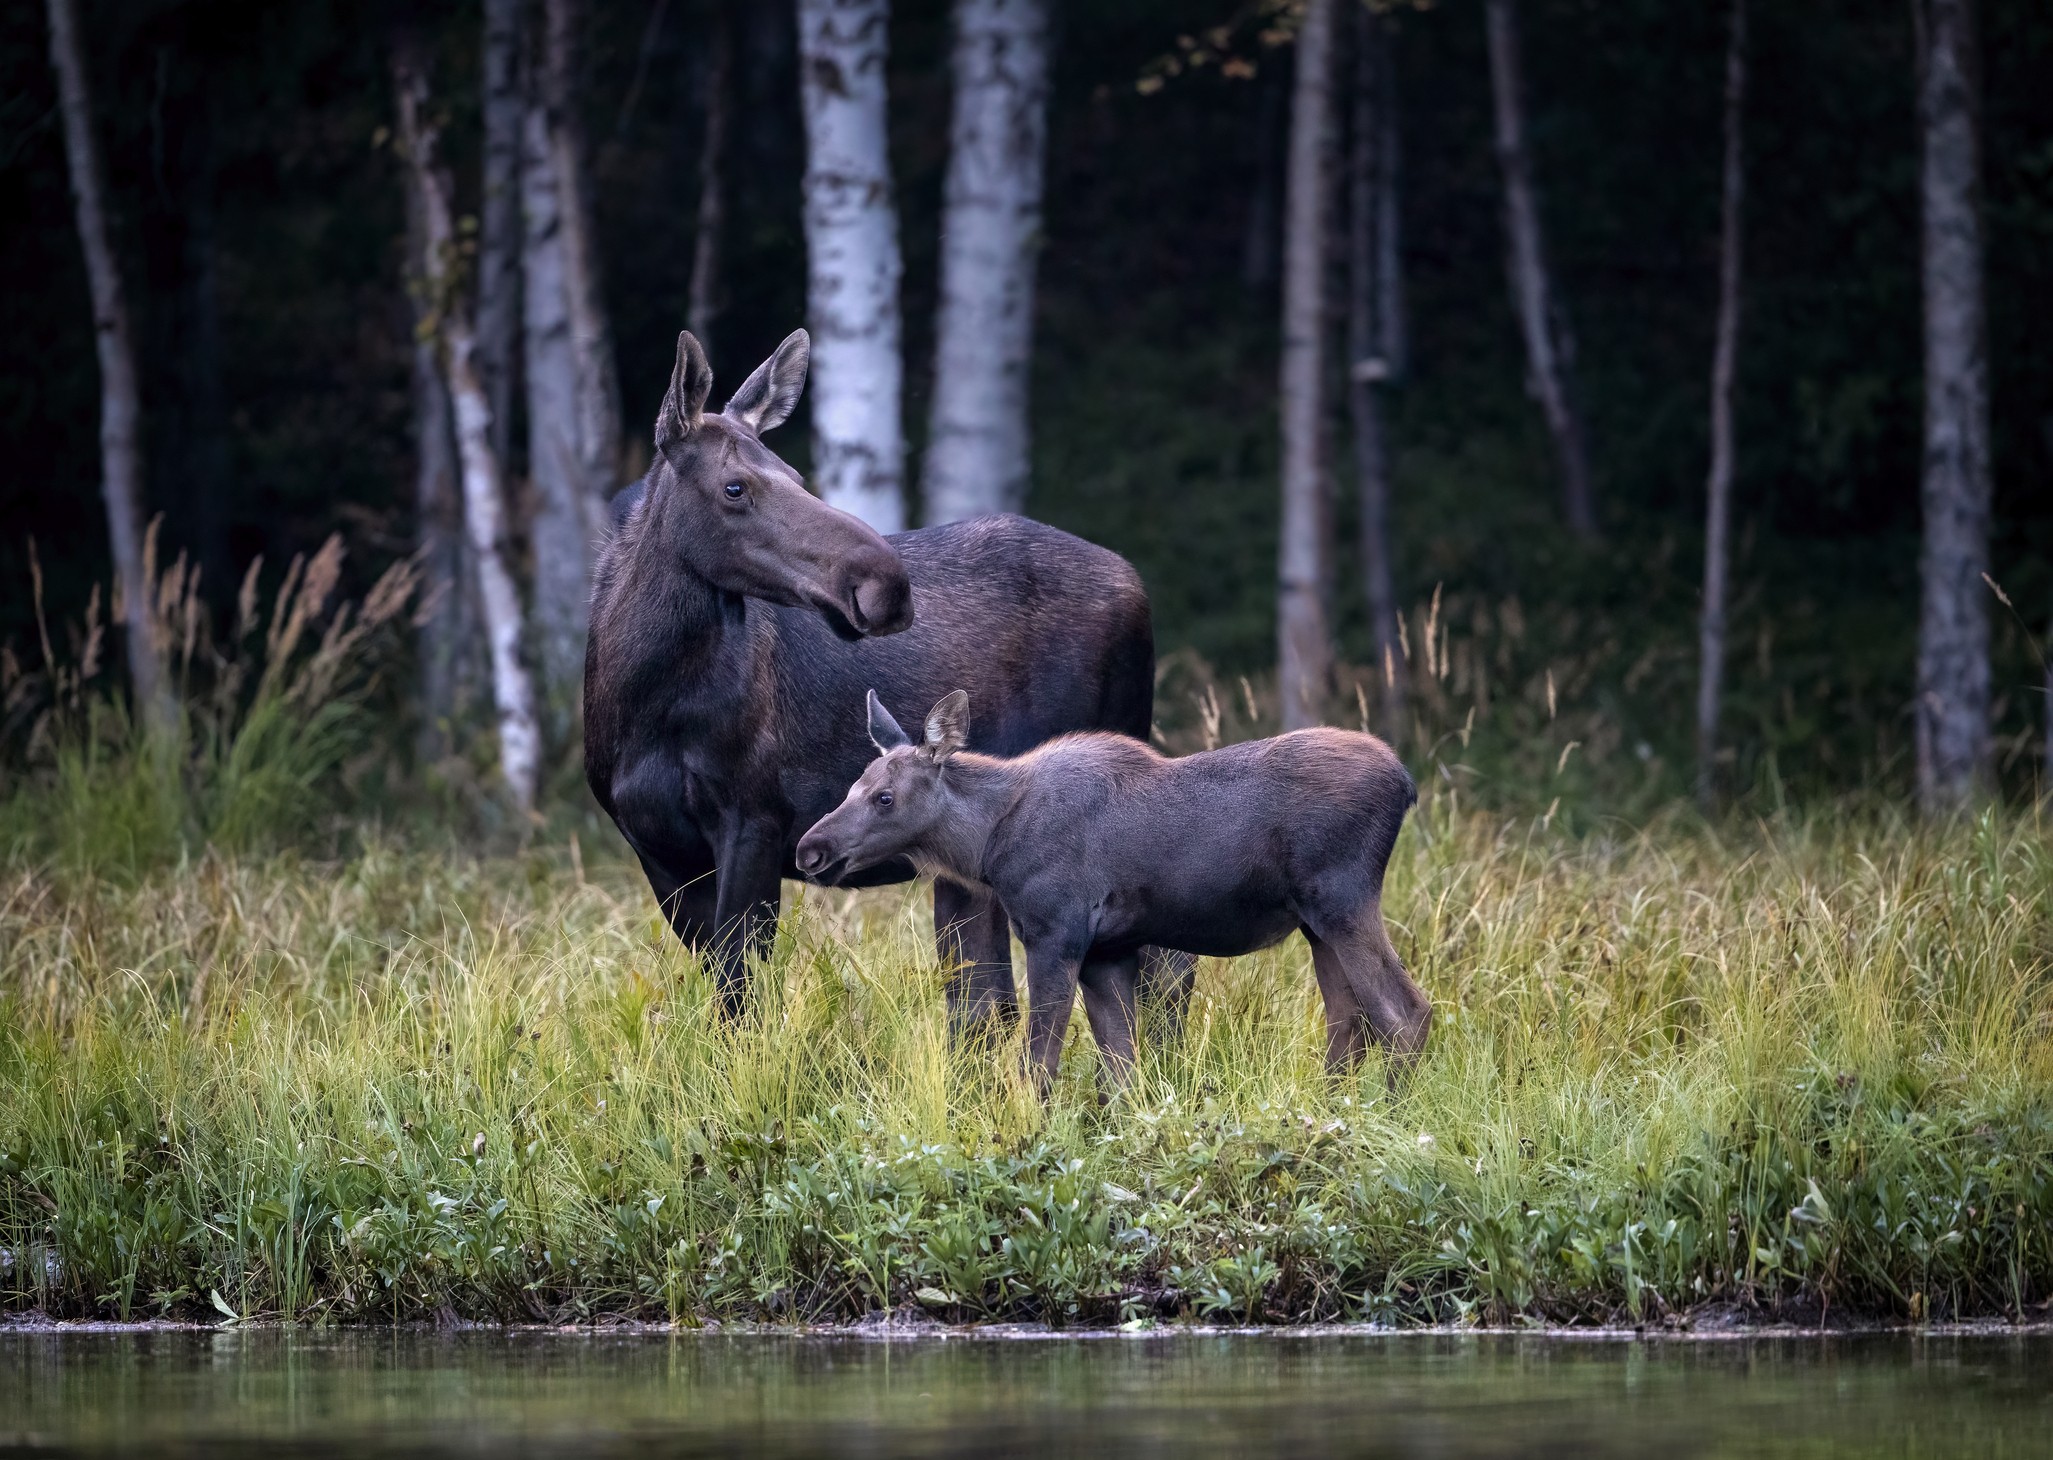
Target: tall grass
x: 268, y: 718
x: 1806, y: 1067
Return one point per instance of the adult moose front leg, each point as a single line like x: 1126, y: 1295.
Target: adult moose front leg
x: 745, y: 909
x: 975, y: 943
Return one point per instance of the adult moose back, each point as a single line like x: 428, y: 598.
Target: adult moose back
x: 737, y: 622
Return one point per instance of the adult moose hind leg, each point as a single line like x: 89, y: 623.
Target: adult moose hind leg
x: 1165, y: 979
x: 975, y: 944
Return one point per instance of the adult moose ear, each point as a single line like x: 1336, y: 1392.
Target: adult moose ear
x: 948, y: 724
x: 885, y: 733
x: 770, y: 395
x: 685, y: 402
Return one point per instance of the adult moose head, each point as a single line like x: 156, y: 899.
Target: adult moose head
x: 736, y: 515
x: 734, y: 616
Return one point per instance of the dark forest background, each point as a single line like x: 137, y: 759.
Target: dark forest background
x: 260, y: 224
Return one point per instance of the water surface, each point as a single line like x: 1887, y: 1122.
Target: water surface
x: 311, y: 1393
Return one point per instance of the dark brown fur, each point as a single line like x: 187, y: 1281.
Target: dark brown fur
x: 1097, y: 845
x: 721, y: 629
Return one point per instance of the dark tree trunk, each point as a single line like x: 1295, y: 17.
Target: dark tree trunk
x: 121, y: 463
x: 499, y: 220
x: 1549, y: 345
x: 1258, y: 240
x: 1375, y: 342
x: 1952, y: 708
x: 1304, y: 644
x: 1724, y: 364
x: 704, y: 305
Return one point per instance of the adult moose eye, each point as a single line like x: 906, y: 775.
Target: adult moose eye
x: 883, y: 798
x: 735, y: 491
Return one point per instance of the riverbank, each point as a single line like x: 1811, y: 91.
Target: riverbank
x: 1800, y: 1069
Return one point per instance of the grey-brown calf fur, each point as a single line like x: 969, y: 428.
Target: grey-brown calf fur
x: 1097, y: 845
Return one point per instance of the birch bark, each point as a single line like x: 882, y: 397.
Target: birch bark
x: 852, y: 261
x: 484, y: 491
x: 1952, y: 712
x: 121, y: 463
x: 1549, y: 346
x: 977, y: 453
x: 1304, y: 647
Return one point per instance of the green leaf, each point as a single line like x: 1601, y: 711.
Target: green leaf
x: 222, y: 1304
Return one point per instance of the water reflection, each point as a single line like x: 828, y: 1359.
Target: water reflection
x: 1180, y: 1395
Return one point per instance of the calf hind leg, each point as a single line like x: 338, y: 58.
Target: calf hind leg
x: 1345, y: 1028
x: 1394, y: 1009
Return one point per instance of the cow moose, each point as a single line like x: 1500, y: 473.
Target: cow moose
x: 730, y: 606
x: 1096, y: 844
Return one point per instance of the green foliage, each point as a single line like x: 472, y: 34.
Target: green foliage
x: 1801, y: 1066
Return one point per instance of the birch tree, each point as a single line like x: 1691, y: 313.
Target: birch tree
x: 558, y: 528
x: 484, y: 490
x: 1724, y: 364
x: 703, y: 307
x: 1304, y: 647
x: 1952, y: 710
x: 977, y: 453
x: 852, y: 260
x: 499, y: 219
x: 1376, y: 344
x: 1542, y: 323
x: 121, y: 461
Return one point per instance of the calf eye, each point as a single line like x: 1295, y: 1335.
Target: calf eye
x: 735, y: 491
x: 883, y: 798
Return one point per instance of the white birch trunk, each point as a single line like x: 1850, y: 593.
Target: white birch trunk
x: 1541, y: 320
x: 977, y: 453
x: 559, y: 530
x: 484, y: 491
x: 1304, y: 646
x: 498, y: 325
x: 1724, y: 365
x: 121, y: 461
x: 852, y: 261
x: 1375, y: 344
x: 1952, y: 712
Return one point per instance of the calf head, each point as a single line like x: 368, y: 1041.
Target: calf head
x: 738, y: 516
x: 901, y: 806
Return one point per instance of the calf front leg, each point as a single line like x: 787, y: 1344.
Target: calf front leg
x: 975, y: 944
x: 750, y: 881
x: 1051, y: 994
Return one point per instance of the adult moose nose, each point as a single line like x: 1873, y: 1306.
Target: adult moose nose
x: 880, y: 594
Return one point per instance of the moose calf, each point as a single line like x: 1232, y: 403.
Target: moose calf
x: 1098, y: 845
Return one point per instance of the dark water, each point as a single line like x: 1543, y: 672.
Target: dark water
x: 362, y: 1393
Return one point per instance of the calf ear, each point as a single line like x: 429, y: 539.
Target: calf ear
x: 884, y: 731
x: 948, y: 724
x: 685, y: 402
x: 770, y: 395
